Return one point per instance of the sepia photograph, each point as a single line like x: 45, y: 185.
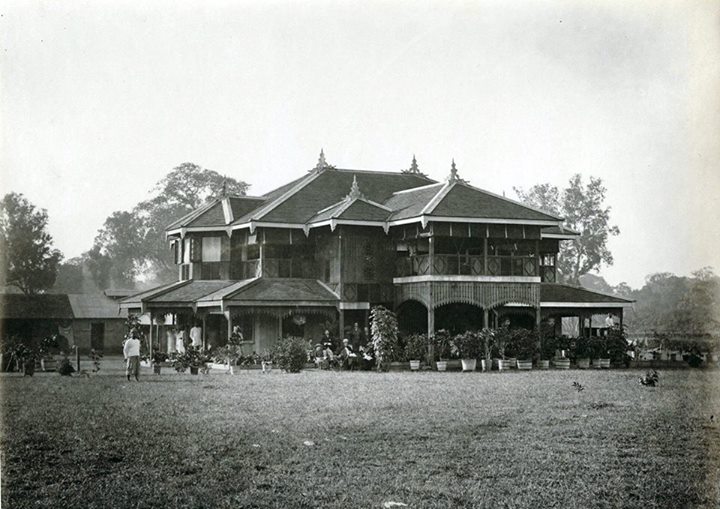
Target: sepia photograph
x: 360, y: 254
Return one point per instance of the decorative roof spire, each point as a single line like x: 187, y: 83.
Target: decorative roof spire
x: 322, y: 163
x: 355, y: 190
x: 414, y: 166
x: 223, y: 192
x: 453, y: 173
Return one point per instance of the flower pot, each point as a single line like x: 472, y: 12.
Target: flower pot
x: 524, y: 364
x: 595, y: 363
x: 543, y: 364
x: 469, y: 364
x: 583, y: 363
x: 503, y: 364
x: 414, y: 365
x: 397, y: 366
x: 486, y: 364
x: 156, y: 368
x: 601, y: 363
x: 512, y: 362
x: 194, y: 370
x: 48, y: 364
x: 441, y: 365
x: 561, y: 363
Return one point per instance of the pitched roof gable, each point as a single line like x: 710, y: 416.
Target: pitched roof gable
x: 556, y: 292
x: 411, y: 202
x: 38, y: 307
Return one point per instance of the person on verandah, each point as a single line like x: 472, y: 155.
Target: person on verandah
x: 196, y: 336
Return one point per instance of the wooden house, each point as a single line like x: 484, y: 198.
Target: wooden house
x: 320, y: 251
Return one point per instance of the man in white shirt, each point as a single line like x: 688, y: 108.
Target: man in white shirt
x: 196, y: 337
x: 131, y: 352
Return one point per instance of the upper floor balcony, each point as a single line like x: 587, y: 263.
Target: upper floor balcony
x: 526, y: 266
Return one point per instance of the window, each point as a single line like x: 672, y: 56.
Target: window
x: 211, y: 249
x: 186, y: 250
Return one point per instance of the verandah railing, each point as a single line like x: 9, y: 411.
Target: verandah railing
x: 468, y: 265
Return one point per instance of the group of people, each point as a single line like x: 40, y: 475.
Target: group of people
x: 353, y: 353
x: 179, y: 340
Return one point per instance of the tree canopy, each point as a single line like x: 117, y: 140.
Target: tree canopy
x: 132, y: 243
x: 28, y: 259
x: 583, y: 209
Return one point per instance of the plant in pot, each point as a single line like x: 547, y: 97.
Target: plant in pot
x: 443, y: 348
x: 467, y: 347
x: 487, y: 338
x: 582, y: 352
x: 598, y: 352
x: 416, y: 349
x: 502, y: 343
x: 26, y: 356
x: 49, y: 347
x: 548, y: 346
x: 524, y: 344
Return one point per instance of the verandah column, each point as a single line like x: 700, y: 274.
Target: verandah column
x: 431, y: 322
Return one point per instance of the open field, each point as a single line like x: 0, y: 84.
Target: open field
x: 425, y: 439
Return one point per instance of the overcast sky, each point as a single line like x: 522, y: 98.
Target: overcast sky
x: 100, y: 99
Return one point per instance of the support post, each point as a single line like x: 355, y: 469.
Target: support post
x: 485, y: 255
x: 538, y: 319
x: 341, y: 325
x: 431, y: 322
x: 203, y: 332
x: 486, y: 318
x: 150, y: 346
x: 228, y: 317
x: 431, y: 255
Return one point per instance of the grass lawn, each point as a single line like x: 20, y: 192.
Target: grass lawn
x: 425, y: 439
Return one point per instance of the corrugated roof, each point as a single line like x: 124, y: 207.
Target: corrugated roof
x: 94, y: 306
x: 556, y: 292
x: 37, y: 307
x: 213, y: 216
x: 557, y: 230
x: 244, y: 205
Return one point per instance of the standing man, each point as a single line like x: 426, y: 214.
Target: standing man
x: 196, y: 337
x: 131, y: 352
x: 357, y: 336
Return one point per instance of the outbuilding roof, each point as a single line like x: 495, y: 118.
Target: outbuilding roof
x: 35, y: 307
x: 560, y: 293
x: 93, y: 306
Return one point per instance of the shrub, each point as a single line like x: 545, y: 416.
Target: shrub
x: 290, y: 354
x: 467, y: 345
x: 617, y: 345
x: 384, y: 334
x: 523, y: 343
x: 228, y: 354
x: 548, y: 345
x: 487, y: 338
x: 502, y: 341
x: 416, y: 347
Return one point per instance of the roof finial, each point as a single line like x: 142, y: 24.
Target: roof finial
x: 322, y: 163
x: 453, y: 172
x: 355, y: 190
x: 414, y: 166
x: 223, y: 192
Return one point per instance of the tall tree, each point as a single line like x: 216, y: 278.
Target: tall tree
x: 583, y: 208
x: 29, y: 261
x: 133, y: 243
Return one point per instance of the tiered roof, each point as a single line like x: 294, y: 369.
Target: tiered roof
x: 378, y: 198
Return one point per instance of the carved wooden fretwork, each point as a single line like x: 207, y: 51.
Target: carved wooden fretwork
x: 483, y: 294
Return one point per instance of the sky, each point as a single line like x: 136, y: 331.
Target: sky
x: 99, y: 100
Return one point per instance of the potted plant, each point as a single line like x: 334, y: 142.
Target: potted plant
x: 502, y: 342
x: 617, y: 346
x: 582, y: 352
x: 416, y: 349
x: 158, y: 359
x: 443, y: 348
x: 487, y: 337
x: 598, y: 352
x: 467, y: 347
x: 548, y: 345
x: 290, y: 354
x: 563, y: 346
x: 26, y: 357
x: 48, y: 348
x: 524, y: 346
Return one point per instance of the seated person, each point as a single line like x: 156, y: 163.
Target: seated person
x: 347, y: 356
x: 326, y: 358
x: 366, y: 357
